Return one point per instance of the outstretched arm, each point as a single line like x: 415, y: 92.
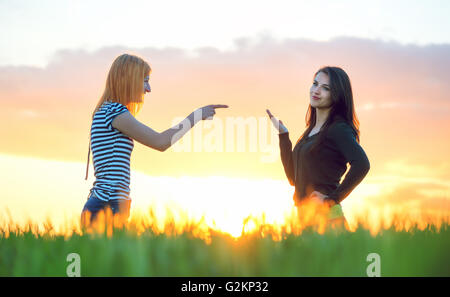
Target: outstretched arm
x: 130, y: 126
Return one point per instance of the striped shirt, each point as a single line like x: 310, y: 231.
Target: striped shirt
x: 111, y: 151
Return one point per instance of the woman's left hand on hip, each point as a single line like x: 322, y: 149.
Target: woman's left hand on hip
x: 316, y: 195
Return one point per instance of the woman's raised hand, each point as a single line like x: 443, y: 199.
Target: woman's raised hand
x: 208, y: 111
x: 281, y: 128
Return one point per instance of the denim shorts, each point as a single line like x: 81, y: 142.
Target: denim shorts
x: 95, y: 205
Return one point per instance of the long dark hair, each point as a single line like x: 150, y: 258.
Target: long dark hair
x: 342, y: 107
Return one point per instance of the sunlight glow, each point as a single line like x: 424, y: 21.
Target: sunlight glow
x: 201, y: 205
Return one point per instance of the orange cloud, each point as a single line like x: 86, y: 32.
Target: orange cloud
x: 399, y: 90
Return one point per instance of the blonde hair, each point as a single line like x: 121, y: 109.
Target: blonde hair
x: 125, y: 83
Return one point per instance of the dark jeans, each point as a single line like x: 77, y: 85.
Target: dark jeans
x: 94, y: 206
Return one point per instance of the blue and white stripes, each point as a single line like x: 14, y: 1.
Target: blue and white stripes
x: 111, y: 151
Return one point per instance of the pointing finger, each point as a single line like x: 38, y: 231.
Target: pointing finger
x: 219, y: 106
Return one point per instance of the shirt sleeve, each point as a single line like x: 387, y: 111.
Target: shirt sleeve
x: 286, y: 157
x: 343, y: 138
x: 114, y: 110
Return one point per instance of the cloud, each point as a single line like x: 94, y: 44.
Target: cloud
x: 411, y: 197
x: 400, y: 96
x: 28, y: 113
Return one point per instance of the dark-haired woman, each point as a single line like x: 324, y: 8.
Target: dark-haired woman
x: 330, y: 141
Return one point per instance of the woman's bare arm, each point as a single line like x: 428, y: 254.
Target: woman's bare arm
x: 130, y: 126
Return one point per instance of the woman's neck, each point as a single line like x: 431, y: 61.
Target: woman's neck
x: 321, y: 116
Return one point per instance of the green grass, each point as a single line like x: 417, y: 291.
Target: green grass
x: 413, y: 253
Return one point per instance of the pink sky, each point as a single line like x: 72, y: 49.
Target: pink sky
x: 399, y: 95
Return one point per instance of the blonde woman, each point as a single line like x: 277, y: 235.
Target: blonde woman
x: 113, y: 131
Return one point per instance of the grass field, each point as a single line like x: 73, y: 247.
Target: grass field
x: 333, y: 253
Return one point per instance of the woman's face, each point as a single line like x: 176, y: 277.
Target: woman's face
x: 147, y: 88
x: 320, y: 96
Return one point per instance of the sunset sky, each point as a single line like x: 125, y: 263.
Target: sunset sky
x: 253, y: 55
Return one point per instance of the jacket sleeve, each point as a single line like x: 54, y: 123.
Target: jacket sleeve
x: 286, y: 157
x: 343, y: 138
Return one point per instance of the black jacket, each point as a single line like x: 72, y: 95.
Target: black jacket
x: 321, y: 171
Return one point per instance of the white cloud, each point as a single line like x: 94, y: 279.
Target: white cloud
x: 33, y: 30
